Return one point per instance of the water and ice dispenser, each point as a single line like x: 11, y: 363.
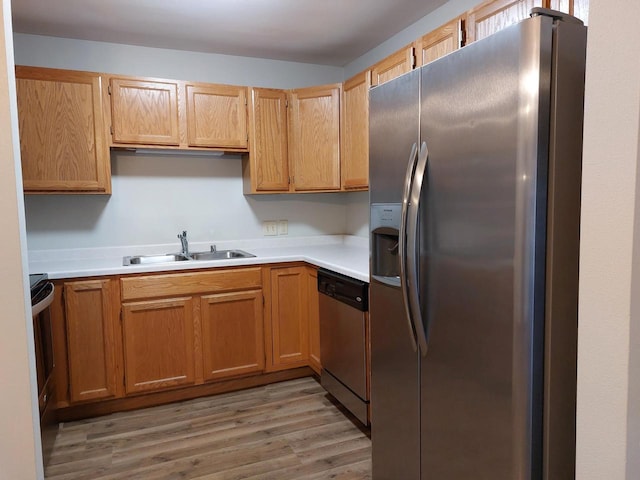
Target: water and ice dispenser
x: 385, y: 228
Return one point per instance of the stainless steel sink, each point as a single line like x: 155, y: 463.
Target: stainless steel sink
x: 150, y: 259
x: 220, y: 255
x: 178, y: 257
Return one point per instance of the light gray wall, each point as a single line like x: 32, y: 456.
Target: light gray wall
x: 53, y: 52
x: 156, y: 196
x: 608, y: 409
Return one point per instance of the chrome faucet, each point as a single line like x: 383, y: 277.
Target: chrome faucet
x: 213, y: 248
x: 185, y: 243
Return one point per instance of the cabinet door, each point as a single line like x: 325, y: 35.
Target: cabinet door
x: 217, y: 116
x: 440, y: 42
x: 313, y: 314
x: 491, y: 17
x: 144, y: 112
x: 393, y: 66
x: 354, y: 168
x: 289, y: 323
x: 158, y: 344
x: 577, y: 8
x: 91, y: 341
x: 62, y: 131
x: 232, y: 334
x: 315, y: 138
x: 268, y: 169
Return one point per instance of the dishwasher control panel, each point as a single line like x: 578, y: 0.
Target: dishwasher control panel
x: 344, y: 289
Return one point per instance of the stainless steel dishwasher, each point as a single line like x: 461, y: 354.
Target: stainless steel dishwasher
x: 344, y: 345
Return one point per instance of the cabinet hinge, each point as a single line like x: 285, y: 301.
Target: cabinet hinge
x: 246, y: 101
x: 109, y: 89
x: 263, y: 300
x: 111, y: 129
x: 286, y: 103
x: 120, y: 315
x: 413, y: 58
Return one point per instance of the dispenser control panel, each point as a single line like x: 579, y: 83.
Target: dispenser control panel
x: 385, y: 216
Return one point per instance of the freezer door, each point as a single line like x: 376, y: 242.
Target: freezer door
x: 395, y: 403
x: 484, y: 118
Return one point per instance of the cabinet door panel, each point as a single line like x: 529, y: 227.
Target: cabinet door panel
x: 269, y: 161
x: 288, y: 316
x: 158, y: 344
x: 354, y: 167
x: 144, y: 112
x: 577, y: 8
x: 62, y: 140
x: 232, y: 334
x: 315, y: 138
x: 216, y: 116
x: 440, y: 42
x: 90, y: 339
x: 494, y: 16
x: 393, y: 66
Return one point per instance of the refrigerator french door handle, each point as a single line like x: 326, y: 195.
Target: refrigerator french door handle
x: 412, y: 259
x: 402, y: 242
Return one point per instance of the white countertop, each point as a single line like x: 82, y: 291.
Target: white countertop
x: 348, y: 255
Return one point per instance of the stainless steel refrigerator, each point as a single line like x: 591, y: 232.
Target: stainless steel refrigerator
x: 475, y: 163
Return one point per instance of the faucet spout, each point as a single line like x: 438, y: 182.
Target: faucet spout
x: 185, y: 243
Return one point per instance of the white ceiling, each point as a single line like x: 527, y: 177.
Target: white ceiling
x: 331, y: 32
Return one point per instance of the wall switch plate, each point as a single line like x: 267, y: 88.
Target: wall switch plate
x: 270, y: 228
x: 283, y: 227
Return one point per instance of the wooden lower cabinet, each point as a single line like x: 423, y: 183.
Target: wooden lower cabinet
x: 289, y: 331
x: 313, y: 315
x: 158, y: 344
x: 92, y: 342
x: 153, y: 337
x: 232, y: 334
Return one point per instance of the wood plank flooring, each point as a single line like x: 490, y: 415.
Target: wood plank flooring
x: 289, y: 430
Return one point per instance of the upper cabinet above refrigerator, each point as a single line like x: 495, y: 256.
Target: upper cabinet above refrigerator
x: 495, y: 15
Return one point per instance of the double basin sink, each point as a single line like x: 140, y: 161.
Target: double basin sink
x: 179, y: 257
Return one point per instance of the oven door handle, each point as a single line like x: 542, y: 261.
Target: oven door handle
x: 45, y: 302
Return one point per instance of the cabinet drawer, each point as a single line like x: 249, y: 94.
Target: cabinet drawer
x: 165, y: 285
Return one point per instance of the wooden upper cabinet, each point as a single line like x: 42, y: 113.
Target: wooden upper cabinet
x: 577, y: 8
x: 158, y: 344
x: 232, y: 334
x: 216, y: 116
x: 314, y: 138
x: 267, y: 167
x: 580, y: 9
x: 354, y: 138
x: 62, y: 131
x: 493, y: 16
x: 439, y: 42
x: 396, y: 64
x: 144, y: 112
x: 91, y: 339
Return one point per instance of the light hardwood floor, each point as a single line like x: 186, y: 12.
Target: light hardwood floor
x: 288, y: 430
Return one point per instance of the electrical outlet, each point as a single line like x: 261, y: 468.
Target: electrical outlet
x: 270, y: 228
x: 283, y: 227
